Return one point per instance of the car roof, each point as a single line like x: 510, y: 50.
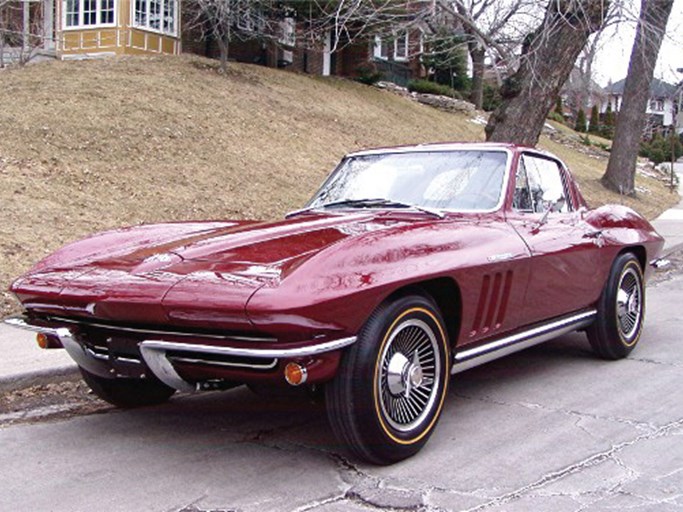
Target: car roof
x: 448, y: 146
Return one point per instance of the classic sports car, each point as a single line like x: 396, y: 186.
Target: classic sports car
x: 408, y: 265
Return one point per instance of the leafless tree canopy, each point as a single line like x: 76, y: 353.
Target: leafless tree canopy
x: 547, y: 58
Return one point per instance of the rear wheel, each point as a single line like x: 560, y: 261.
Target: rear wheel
x: 128, y: 393
x: 621, y: 310
x: 390, y: 387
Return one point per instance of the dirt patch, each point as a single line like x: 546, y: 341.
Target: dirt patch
x: 93, y: 145
x: 673, y: 268
x: 57, y: 400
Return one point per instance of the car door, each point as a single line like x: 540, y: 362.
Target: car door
x: 564, y: 248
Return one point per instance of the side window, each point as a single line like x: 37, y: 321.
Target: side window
x: 521, y: 201
x: 540, y: 187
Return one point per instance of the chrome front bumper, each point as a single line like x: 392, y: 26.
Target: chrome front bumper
x: 154, y: 353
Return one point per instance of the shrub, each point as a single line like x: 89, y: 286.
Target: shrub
x: 594, y: 125
x: 427, y: 87
x: 559, y: 109
x: 555, y: 116
x: 447, y: 59
x: 368, y: 74
x: 607, y: 128
x: 580, y: 125
x: 492, y: 97
x: 659, y: 149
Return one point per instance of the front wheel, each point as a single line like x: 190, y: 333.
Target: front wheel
x: 390, y: 387
x: 128, y: 393
x: 621, y: 310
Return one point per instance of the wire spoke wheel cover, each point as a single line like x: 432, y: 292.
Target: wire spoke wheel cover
x: 629, y: 303
x: 621, y: 310
x: 410, y: 370
x: 391, y: 384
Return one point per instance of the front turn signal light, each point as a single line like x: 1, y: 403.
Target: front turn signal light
x: 295, y: 374
x: 48, y: 341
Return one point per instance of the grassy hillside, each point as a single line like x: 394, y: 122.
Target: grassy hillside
x: 86, y: 146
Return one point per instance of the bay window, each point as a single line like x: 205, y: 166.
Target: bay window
x: 156, y: 15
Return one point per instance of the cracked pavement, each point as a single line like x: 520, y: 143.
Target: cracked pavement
x: 550, y: 428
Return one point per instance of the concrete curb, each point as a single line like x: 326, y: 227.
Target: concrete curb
x: 15, y: 382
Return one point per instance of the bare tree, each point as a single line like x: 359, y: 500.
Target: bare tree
x: 21, y: 37
x: 621, y: 168
x: 349, y: 21
x: 548, y: 56
x: 346, y: 21
x: 492, y: 28
x: 226, y: 21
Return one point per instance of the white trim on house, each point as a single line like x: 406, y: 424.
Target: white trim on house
x: 87, y: 56
x: 327, y: 54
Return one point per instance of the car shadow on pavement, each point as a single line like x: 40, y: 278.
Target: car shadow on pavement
x: 293, y: 421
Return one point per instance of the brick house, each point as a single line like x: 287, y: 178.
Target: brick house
x: 396, y: 56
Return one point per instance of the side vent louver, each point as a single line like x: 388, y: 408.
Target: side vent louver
x: 493, y: 302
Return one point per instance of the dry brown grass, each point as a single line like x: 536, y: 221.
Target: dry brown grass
x: 86, y: 146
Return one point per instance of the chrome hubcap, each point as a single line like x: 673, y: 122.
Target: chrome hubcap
x: 410, y: 371
x: 629, y: 303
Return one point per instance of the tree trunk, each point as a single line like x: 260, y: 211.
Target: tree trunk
x: 548, y: 56
x: 478, y: 55
x: 223, y: 45
x: 631, y: 119
x: 2, y: 44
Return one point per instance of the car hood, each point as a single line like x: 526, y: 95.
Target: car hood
x: 183, y: 272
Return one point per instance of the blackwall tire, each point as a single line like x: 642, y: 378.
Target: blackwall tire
x: 388, y: 393
x: 128, y: 393
x: 621, y: 310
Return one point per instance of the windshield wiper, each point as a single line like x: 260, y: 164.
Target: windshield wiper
x: 369, y: 203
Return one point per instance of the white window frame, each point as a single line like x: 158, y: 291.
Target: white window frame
x: 377, y: 49
x: 288, y: 32
x: 657, y: 105
x: 406, y: 36
x: 98, y: 10
x: 146, y: 26
x: 379, y: 42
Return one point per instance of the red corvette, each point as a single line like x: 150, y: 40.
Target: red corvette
x: 409, y: 264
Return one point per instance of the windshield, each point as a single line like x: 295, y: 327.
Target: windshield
x: 462, y: 180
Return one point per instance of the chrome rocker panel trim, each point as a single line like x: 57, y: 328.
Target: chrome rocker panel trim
x: 469, y: 358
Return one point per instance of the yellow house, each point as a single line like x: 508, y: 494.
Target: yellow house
x: 89, y: 28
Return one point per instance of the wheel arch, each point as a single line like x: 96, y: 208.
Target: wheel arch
x: 446, y: 294
x: 639, y: 252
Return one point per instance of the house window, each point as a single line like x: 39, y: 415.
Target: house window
x: 395, y: 48
x: 88, y: 13
x: 381, y: 48
x: 401, y: 47
x: 656, y: 105
x: 107, y: 11
x: 156, y: 15
x: 287, y: 32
